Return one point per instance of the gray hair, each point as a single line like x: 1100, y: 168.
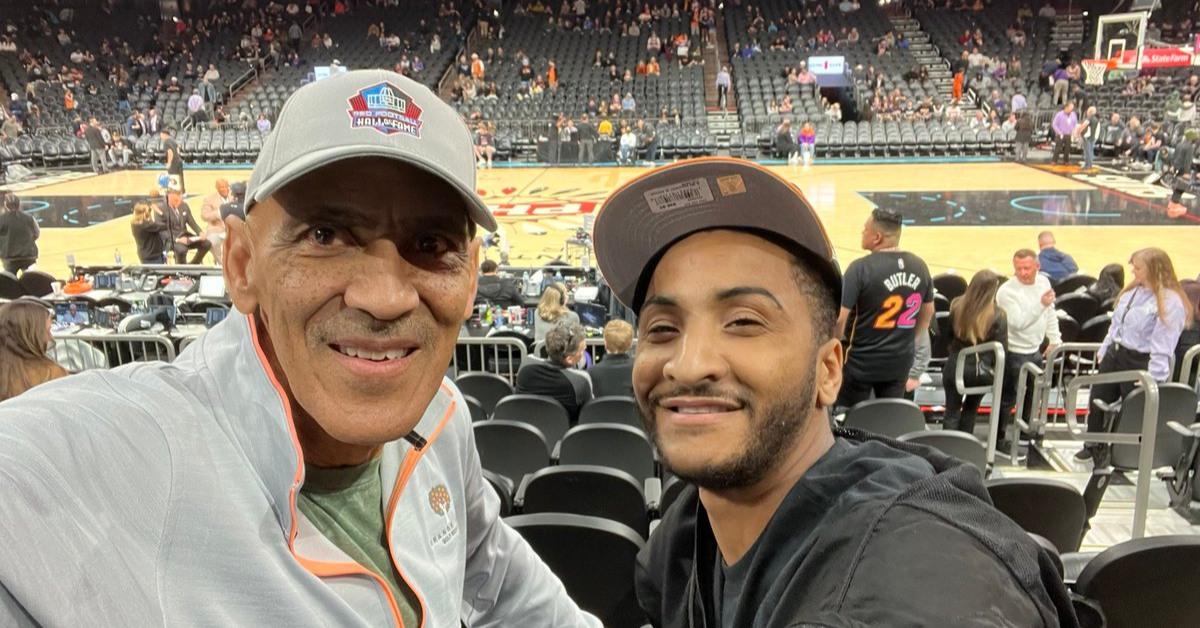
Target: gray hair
x: 563, y: 340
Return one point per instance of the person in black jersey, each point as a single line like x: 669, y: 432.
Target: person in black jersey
x: 887, y: 299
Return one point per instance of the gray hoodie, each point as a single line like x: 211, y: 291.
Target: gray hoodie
x: 165, y: 494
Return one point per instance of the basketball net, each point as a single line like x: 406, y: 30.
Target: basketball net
x: 1094, y: 70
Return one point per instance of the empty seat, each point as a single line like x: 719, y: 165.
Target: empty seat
x: 1146, y: 582
x: 503, y: 488
x: 587, y: 490
x: 621, y: 410
x: 1048, y: 508
x: 10, y: 288
x: 476, y: 408
x: 544, y: 413
x: 593, y: 557
x: 886, y: 417
x: 956, y: 444
x: 610, y: 445
x: 1071, y: 283
x: 511, y: 449
x: 950, y: 285
x: 487, y: 388
x: 1081, y: 307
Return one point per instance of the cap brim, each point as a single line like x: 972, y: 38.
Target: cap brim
x: 477, y: 210
x: 647, y: 215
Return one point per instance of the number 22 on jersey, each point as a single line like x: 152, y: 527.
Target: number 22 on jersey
x: 892, y: 306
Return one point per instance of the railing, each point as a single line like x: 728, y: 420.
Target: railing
x: 1144, y: 440
x: 501, y: 356
x: 996, y: 387
x: 1067, y: 361
x: 83, y: 352
x: 1029, y: 372
x: 1190, y: 366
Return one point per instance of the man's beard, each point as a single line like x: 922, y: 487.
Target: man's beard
x: 773, y: 427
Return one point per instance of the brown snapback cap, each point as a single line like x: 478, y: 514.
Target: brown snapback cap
x: 644, y: 217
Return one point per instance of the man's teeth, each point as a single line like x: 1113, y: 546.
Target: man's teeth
x: 374, y: 356
x: 701, y: 410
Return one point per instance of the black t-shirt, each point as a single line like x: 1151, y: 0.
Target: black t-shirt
x: 884, y: 292
x: 176, y: 163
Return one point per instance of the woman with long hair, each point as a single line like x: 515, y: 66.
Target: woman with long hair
x: 552, y: 310
x: 975, y: 319
x: 149, y: 231
x: 1150, y: 314
x: 24, y: 339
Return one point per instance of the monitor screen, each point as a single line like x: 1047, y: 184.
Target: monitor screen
x: 214, y: 315
x: 72, y: 313
x: 212, y: 287
x: 591, y: 314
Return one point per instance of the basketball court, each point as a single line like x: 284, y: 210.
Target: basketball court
x: 960, y: 217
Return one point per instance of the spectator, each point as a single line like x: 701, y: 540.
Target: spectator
x: 808, y: 143
x: 172, y: 158
x: 558, y: 376
x: 1147, y: 321
x: 494, y: 289
x: 785, y: 142
x: 18, y: 236
x: 210, y: 213
x: 1182, y: 166
x: 184, y: 232
x: 1028, y: 304
x: 263, y: 124
x: 1063, y: 126
x: 890, y: 294
x: 1189, y: 337
x: 723, y: 83
x: 485, y: 144
x: 477, y: 69
x: 1061, y: 82
x: 628, y: 145
x: 974, y: 320
x: 120, y: 151
x: 150, y: 233
x: 628, y: 103
x: 1055, y: 264
x: 1089, y: 132
x: 24, y: 338
x: 97, y: 147
x: 613, y: 375
x: 552, y: 310
x: 647, y: 139
x: 586, y: 134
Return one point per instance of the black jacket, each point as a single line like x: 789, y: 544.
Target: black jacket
x: 497, y: 290
x: 569, y: 387
x: 180, y: 222
x: 613, y: 376
x: 891, y: 541
x: 151, y: 239
x: 18, y: 235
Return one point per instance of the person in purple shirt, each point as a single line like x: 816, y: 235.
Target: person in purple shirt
x: 1064, y: 125
x: 1060, y: 79
x: 1149, y: 317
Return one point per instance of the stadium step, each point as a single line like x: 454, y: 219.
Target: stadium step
x: 923, y: 51
x: 721, y: 125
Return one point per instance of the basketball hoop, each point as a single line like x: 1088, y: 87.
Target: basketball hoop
x: 1094, y: 70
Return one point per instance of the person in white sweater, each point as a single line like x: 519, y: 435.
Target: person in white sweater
x: 1028, y: 302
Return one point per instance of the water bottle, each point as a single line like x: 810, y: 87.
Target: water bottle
x: 525, y: 281
x: 71, y: 260
x: 117, y: 257
x: 558, y: 278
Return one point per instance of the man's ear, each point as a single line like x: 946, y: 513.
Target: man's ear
x: 829, y: 372
x: 237, y: 262
x: 473, y: 252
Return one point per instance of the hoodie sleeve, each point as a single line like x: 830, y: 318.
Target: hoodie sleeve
x: 505, y: 582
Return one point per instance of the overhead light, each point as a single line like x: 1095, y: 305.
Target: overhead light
x: 1085, y: 14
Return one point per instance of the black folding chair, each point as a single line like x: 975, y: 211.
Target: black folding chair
x: 487, y: 388
x: 511, y: 449
x: 1150, y: 581
x: 622, y: 410
x: 1048, y: 508
x: 610, y: 445
x: 544, y: 413
x: 594, y: 558
x: 965, y: 447
x: 588, y: 490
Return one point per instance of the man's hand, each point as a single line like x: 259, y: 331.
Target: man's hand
x: 912, y: 384
x: 1048, y: 298
x: 1049, y: 349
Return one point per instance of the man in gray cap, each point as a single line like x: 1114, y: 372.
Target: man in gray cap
x: 787, y: 522
x: 305, y: 462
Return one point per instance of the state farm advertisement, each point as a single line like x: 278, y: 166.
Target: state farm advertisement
x: 1162, y: 57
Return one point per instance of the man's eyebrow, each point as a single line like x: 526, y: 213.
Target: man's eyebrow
x: 659, y: 300
x: 741, y: 291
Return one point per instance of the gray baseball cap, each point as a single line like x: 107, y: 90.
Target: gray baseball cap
x: 368, y: 113
x: 646, y: 216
